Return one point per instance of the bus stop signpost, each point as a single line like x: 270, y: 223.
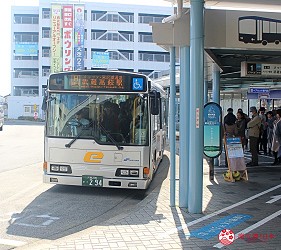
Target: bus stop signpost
x: 212, y: 134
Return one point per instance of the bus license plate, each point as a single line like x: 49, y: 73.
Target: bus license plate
x: 92, y: 181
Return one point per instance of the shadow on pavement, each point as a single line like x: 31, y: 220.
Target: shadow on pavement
x: 64, y: 210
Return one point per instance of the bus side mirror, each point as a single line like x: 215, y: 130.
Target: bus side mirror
x: 154, y: 102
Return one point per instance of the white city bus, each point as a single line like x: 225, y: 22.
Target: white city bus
x: 118, y: 143
x: 2, y: 109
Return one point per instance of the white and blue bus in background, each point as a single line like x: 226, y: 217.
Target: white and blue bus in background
x: 103, y: 129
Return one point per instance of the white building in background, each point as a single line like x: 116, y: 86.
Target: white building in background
x: 122, y: 31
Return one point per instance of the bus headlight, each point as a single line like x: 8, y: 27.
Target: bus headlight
x: 124, y: 172
x: 64, y: 169
x: 127, y: 172
x: 134, y: 172
x: 60, y: 168
x: 55, y: 168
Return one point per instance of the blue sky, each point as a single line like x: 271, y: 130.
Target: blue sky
x: 5, y: 42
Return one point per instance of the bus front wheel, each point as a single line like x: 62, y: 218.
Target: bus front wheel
x: 276, y: 42
x: 264, y: 42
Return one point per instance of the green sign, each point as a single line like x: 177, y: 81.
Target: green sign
x: 212, y: 130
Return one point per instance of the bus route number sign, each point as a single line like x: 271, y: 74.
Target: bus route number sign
x: 92, y: 181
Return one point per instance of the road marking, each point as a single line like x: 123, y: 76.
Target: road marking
x: 213, y: 229
x: 48, y: 220
x: 274, y: 198
x: 206, y: 217
x: 14, y: 243
x: 250, y: 228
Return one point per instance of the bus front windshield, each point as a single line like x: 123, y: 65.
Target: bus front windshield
x: 107, y: 119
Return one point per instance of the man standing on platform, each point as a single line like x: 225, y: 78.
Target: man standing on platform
x: 254, y: 131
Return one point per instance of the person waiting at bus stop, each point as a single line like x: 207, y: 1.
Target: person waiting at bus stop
x: 276, y: 138
x: 229, y: 124
x: 229, y: 127
x: 254, y: 132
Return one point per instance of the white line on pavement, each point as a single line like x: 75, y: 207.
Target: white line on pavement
x: 250, y: 228
x: 174, y: 230
x: 14, y: 243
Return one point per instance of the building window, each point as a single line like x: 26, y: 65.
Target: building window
x: 25, y: 73
x: 121, y: 55
x: 145, y: 37
x: 25, y: 58
x: 118, y: 17
x: 96, y: 15
x: 46, y: 52
x: 154, y: 56
x: 127, y: 36
x: 46, y: 13
x: 46, y: 70
x: 85, y: 34
x: 150, y: 73
x: 46, y: 32
x: 27, y: 110
x: 85, y: 54
x: 25, y: 37
x: 26, y: 91
x: 26, y: 19
x: 151, y: 18
x: 96, y: 34
x: 85, y: 15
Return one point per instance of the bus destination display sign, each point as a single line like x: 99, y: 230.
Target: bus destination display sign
x: 97, y: 82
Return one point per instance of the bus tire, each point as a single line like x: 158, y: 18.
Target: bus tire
x: 264, y: 42
x: 276, y: 42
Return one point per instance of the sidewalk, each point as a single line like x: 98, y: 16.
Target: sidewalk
x: 153, y: 224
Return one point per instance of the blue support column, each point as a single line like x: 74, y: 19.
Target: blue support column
x: 216, y: 93
x: 172, y: 127
x: 216, y: 84
x: 184, y: 125
x: 195, y: 180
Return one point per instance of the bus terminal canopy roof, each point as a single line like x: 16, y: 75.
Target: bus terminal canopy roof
x: 256, y: 5
x: 229, y: 45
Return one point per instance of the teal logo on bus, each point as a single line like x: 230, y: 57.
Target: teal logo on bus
x: 137, y: 83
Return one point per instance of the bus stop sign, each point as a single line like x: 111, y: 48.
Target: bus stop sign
x: 212, y: 129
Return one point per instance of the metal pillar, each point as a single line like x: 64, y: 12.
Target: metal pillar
x: 195, y: 180
x: 184, y: 125
x: 216, y: 94
x: 172, y: 127
x: 216, y: 84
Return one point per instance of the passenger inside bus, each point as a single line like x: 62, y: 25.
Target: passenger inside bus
x: 79, y: 124
x: 109, y: 122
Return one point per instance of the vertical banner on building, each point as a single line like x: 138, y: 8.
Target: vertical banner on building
x: 56, y: 64
x: 67, y: 37
x: 79, y: 24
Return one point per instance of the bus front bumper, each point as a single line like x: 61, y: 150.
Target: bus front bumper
x: 101, y: 181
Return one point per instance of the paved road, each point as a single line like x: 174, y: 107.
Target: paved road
x: 31, y: 211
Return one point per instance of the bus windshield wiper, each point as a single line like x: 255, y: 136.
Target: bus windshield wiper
x: 110, y: 137
x: 68, y: 145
